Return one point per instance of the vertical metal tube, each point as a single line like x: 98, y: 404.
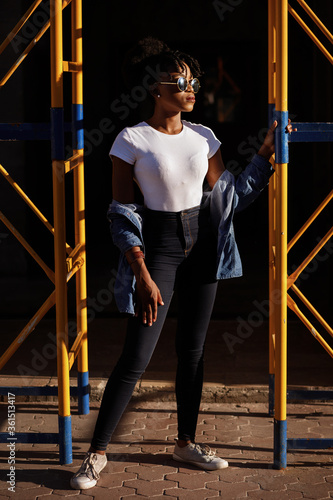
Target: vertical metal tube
x: 281, y: 159
x: 79, y: 204
x: 271, y: 201
x: 271, y: 53
x: 58, y: 171
x: 56, y: 54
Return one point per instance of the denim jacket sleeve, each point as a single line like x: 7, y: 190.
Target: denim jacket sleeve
x: 126, y: 231
x: 125, y: 225
x: 228, y: 196
x: 252, y: 181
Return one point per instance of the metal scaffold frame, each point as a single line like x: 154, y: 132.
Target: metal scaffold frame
x: 280, y: 282
x: 68, y: 261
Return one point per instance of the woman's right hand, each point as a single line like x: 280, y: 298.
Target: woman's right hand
x: 148, y: 296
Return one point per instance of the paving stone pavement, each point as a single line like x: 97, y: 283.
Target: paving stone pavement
x: 236, y: 365
x: 140, y: 463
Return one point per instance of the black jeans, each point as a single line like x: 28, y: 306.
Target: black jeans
x: 180, y: 254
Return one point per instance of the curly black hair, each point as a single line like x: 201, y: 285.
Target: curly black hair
x: 150, y: 56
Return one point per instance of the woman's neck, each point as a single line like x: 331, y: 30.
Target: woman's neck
x: 171, y: 124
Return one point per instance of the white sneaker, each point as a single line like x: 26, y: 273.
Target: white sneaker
x: 88, y: 474
x: 200, y: 455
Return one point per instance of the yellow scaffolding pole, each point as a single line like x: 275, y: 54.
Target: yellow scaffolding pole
x: 281, y: 173
x: 78, y: 173
x: 75, y: 263
x: 271, y: 197
x: 279, y: 280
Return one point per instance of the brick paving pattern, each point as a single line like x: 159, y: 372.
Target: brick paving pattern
x: 140, y: 456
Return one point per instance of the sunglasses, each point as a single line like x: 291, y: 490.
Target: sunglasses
x: 183, y: 84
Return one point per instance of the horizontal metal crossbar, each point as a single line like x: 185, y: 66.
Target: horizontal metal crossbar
x: 32, y: 131
x: 309, y: 444
x: 73, y: 256
x: 30, y: 437
x: 71, y: 66
x: 311, y: 132
x: 35, y: 391
x: 313, y: 395
x: 73, y: 162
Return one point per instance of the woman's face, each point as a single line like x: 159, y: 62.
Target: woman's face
x: 171, y: 98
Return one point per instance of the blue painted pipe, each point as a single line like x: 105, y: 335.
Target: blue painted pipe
x: 83, y: 392
x: 280, y: 444
x: 65, y: 439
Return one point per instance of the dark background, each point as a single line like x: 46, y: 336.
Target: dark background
x: 230, y: 34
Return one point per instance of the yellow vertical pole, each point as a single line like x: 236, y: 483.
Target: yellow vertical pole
x: 281, y: 159
x: 79, y: 203
x: 271, y: 200
x: 58, y: 173
x: 271, y: 52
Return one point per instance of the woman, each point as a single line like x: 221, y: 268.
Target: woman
x: 179, y: 241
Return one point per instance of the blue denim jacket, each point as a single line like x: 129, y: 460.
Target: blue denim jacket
x: 228, y: 196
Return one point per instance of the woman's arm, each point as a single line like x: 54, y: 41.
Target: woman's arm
x: 122, y: 181
x: 215, y: 163
x: 148, y: 294
x: 215, y: 168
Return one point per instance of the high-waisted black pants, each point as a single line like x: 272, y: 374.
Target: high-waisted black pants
x: 180, y: 254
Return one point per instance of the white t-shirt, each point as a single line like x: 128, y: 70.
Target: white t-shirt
x: 169, y: 169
